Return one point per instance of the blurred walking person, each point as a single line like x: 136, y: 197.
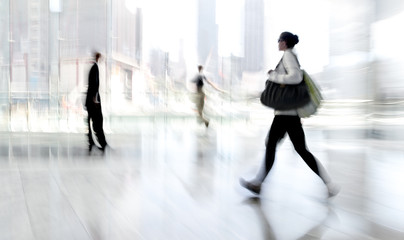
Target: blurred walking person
x: 93, y: 106
x: 288, y: 121
x: 199, y: 80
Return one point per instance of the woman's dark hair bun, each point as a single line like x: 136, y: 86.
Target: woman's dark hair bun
x: 296, y: 39
x: 290, y: 39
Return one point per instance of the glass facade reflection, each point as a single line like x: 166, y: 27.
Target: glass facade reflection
x: 152, y: 48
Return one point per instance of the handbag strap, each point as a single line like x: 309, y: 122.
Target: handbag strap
x: 297, y: 60
x: 280, y: 61
x: 287, y: 70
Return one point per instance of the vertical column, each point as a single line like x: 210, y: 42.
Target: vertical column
x: 108, y: 60
x: 5, y: 64
x: 55, y: 8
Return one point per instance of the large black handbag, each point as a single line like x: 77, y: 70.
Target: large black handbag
x: 285, y: 96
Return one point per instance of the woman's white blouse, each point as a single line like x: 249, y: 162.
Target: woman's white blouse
x: 292, y: 75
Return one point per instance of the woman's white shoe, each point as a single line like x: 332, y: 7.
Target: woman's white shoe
x: 333, y: 189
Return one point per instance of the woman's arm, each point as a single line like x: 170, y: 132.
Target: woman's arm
x: 214, y: 85
x: 293, y: 74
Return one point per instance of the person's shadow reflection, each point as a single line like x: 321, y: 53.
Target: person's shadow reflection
x: 255, y: 203
x: 316, y: 232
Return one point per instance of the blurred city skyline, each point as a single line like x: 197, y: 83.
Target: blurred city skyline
x: 152, y: 49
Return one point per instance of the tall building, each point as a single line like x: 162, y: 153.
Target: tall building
x: 207, y: 35
x: 38, y: 46
x: 138, y: 35
x: 254, y: 35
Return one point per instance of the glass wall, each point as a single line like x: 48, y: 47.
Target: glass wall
x: 152, y: 48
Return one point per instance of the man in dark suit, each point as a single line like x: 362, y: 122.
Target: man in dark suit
x: 93, y: 105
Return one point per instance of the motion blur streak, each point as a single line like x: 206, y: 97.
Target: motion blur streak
x: 163, y: 175
x: 153, y: 47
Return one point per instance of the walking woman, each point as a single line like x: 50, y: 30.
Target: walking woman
x: 288, y: 121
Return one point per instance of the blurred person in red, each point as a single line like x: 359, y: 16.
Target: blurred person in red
x: 93, y: 106
x: 288, y: 121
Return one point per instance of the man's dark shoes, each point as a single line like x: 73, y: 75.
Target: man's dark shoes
x: 103, y: 148
x: 90, y: 147
x: 253, y: 187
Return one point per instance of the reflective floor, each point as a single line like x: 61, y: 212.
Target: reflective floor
x: 175, y: 179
